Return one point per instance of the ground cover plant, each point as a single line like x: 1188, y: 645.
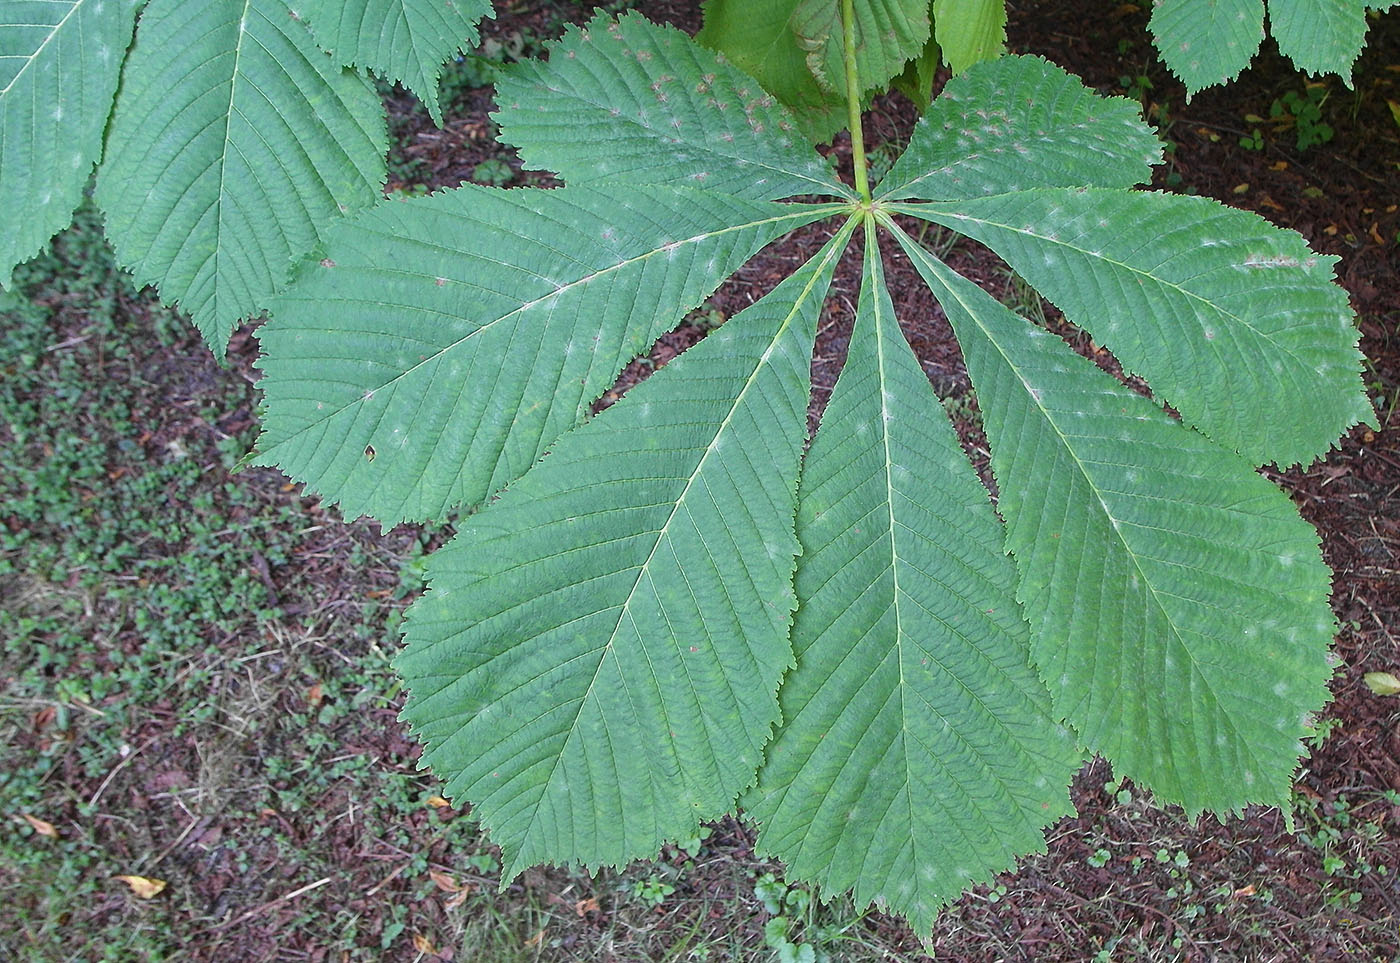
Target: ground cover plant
x: 862, y: 216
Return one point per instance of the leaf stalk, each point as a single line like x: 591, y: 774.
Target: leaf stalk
x: 848, y: 31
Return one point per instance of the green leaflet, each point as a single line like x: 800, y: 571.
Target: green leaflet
x: 913, y: 720
x: 406, y: 41
x: 629, y: 99
x: 59, y: 65
x: 441, y: 344
x: 792, y: 47
x: 1320, y: 36
x: 1215, y: 307
x: 1021, y: 122
x: 888, y: 34
x: 969, y: 31
x: 594, y: 666
x: 263, y: 141
x: 1207, y: 43
x: 1178, y: 604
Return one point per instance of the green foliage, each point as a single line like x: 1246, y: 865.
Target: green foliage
x: 1303, y: 111
x: 234, y: 142
x: 679, y: 606
x: 1207, y: 42
x: 401, y: 40
x: 648, y: 618
x: 59, y: 67
x: 794, y: 48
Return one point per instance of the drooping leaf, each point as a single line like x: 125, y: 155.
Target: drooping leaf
x: 1020, y: 122
x: 759, y: 36
x: 1178, y: 604
x: 793, y: 49
x: 1207, y: 43
x: 969, y: 31
x: 913, y: 720
x: 263, y: 141
x: 59, y: 65
x: 916, y: 82
x: 406, y: 41
x: 1215, y: 307
x: 888, y: 33
x: 441, y: 344
x: 627, y: 99
x: 1319, y: 36
x: 595, y: 664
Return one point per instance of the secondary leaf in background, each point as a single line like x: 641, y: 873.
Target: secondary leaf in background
x: 913, y: 720
x: 760, y: 38
x: 1021, y: 122
x: 1319, y: 36
x: 441, y: 344
x: 59, y: 65
x: 596, y: 661
x: 1207, y: 43
x: 635, y: 101
x: 1215, y: 307
x: 793, y: 49
x: 888, y: 34
x: 1178, y: 603
x: 405, y: 41
x: 263, y: 142
x: 969, y: 31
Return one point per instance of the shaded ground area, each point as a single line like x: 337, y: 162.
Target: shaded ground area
x: 194, y: 680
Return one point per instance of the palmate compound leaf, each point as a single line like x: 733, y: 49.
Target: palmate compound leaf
x: 631, y: 100
x: 1020, y: 122
x: 1216, y: 308
x: 1178, y: 603
x: 234, y: 141
x: 596, y: 661
x: 406, y: 41
x: 1162, y: 579
x: 913, y: 721
x: 441, y: 344
x: 60, y: 61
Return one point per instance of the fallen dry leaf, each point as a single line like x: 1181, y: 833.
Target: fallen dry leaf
x: 444, y: 882
x: 1382, y: 683
x: 535, y: 940
x: 437, y: 802
x: 589, y: 905
x: 424, y: 945
x: 143, y: 887
x: 41, y: 827
x: 1243, y: 891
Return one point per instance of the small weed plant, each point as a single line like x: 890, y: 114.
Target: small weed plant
x: 680, y: 607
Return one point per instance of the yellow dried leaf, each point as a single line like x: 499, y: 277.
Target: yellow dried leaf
x: 1382, y: 683
x: 41, y: 827
x: 143, y: 887
x: 535, y: 940
x: 424, y: 945
x: 437, y: 802
x: 589, y: 905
